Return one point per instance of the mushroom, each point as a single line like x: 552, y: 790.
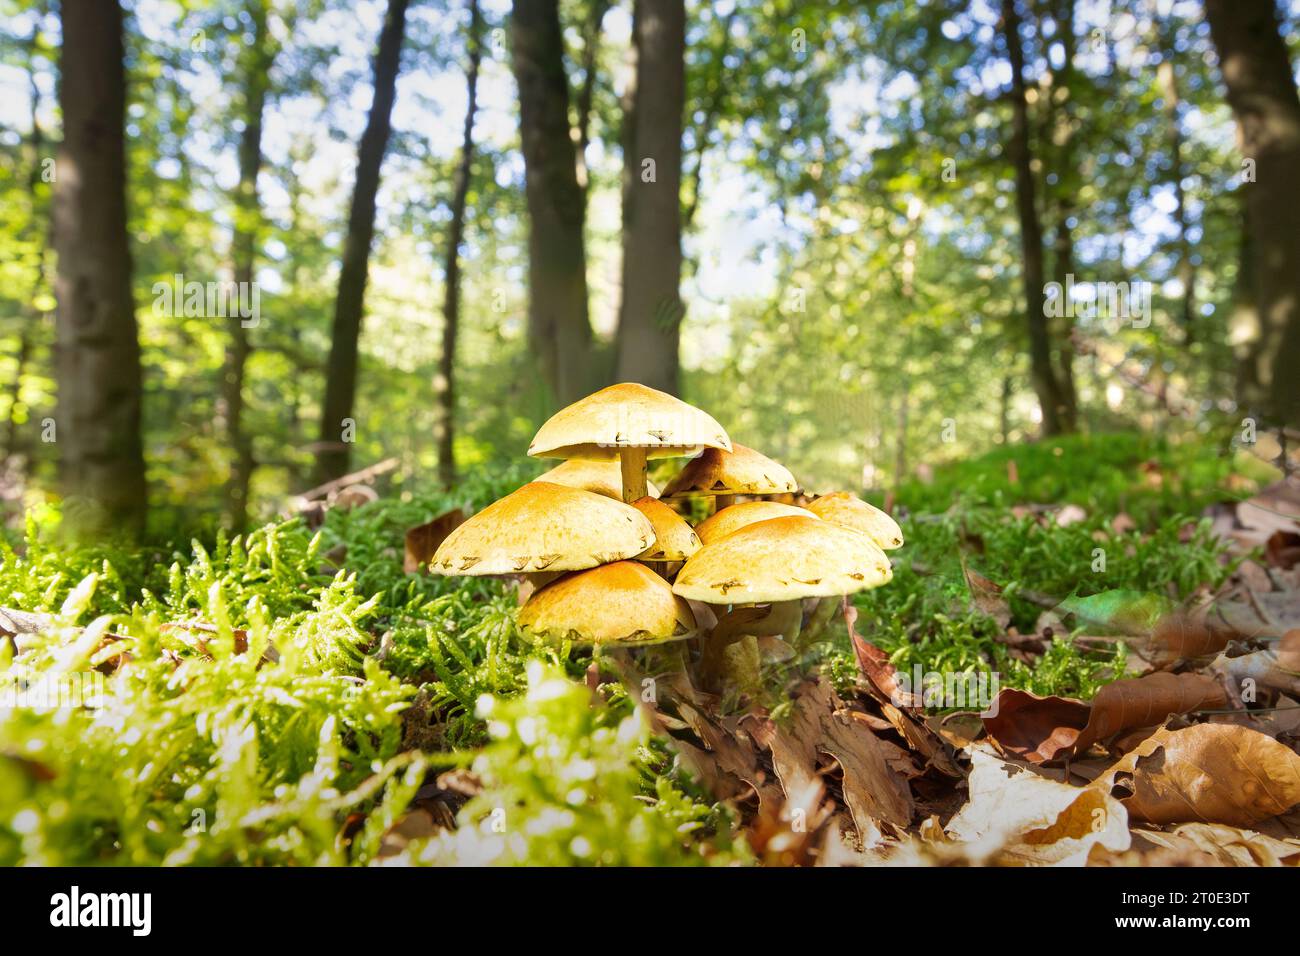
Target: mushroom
x: 629, y: 422
x: 544, y: 527
x: 847, y: 509
x: 725, y: 474
x: 730, y: 520
x: 777, y: 562
x: 623, y: 603
x: 602, y: 477
x: 675, y: 540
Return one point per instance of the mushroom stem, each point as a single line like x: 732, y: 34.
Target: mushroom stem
x: 632, y: 465
x: 723, y: 501
x: 781, y: 618
x: 820, y: 618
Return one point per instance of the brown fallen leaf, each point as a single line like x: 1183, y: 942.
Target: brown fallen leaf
x: 423, y: 540
x: 987, y: 597
x: 1017, y: 817
x: 876, y: 667
x: 1209, y: 773
x: 1042, y: 729
x: 1276, y: 668
x: 1228, y: 846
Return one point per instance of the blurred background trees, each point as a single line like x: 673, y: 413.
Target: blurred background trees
x: 840, y: 227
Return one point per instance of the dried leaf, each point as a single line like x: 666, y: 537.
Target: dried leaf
x: 1041, y: 729
x: 987, y: 597
x: 1016, y: 816
x: 423, y: 540
x: 1210, y: 773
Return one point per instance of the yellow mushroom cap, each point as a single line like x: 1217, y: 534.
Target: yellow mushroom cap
x: 627, y: 416
x: 741, y: 471
x: 844, y: 508
x: 675, y: 540
x: 544, y: 527
x: 735, y: 517
x: 602, y: 477
x: 783, y: 559
x: 620, y: 603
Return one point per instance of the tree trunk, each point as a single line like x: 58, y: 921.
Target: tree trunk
x: 1042, y: 372
x: 27, y: 333
x: 258, y: 60
x: 1067, y: 176
x: 98, y: 363
x: 559, y: 330
x: 1174, y: 134
x: 649, y: 326
x: 335, y: 452
x: 445, y: 386
x: 1262, y: 94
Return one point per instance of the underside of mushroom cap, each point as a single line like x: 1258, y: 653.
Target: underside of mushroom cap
x: 626, y: 416
x: 601, y: 477
x: 675, y: 540
x: 622, y: 603
x: 844, y: 508
x: 741, y: 471
x: 734, y: 517
x: 783, y: 559
x: 544, y: 527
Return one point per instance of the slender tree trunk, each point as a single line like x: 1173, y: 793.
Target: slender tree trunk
x: 649, y: 326
x: 258, y: 60
x: 1262, y: 93
x: 1063, y: 245
x: 587, y: 92
x: 27, y: 333
x: 98, y: 364
x: 335, y: 451
x: 445, y: 386
x: 1042, y: 372
x: 559, y: 330
x: 1174, y: 134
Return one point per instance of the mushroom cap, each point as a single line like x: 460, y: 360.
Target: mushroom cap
x: 620, y: 603
x: 602, y: 477
x: 544, y: 527
x: 627, y: 416
x: 734, y: 517
x: 783, y: 559
x: 675, y: 540
x: 847, y: 509
x: 741, y: 471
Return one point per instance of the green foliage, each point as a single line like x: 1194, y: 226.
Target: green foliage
x: 562, y: 787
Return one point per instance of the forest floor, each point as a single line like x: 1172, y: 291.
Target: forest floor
x: 1130, y: 605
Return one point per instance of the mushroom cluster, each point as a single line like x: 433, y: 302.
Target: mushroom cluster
x: 611, y: 563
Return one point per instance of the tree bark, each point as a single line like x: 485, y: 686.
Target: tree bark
x: 258, y: 60
x: 649, y: 326
x: 1067, y: 175
x: 27, y: 333
x: 98, y: 362
x: 334, y: 457
x: 1042, y: 372
x: 1174, y: 134
x: 1261, y: 91
x: 445, y: 387
x: 559, y: 330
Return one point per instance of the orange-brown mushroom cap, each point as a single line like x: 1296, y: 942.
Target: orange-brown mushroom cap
x: 675, y: 540
x: 544, y: 527
x: 844, y: 508
x: 626, y: 416
x: 602, y: 477
x: 741, y: 471
x: 735, y: 517
x: 783, y: 559
x: 619, y: 603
